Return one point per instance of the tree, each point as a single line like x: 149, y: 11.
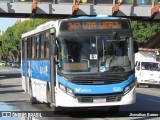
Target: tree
x: 143, y: 31
x: 12, y: 38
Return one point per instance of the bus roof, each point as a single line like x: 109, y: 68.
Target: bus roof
x: 51, y: 24
x: 40, y: 28
x: 96, y: 17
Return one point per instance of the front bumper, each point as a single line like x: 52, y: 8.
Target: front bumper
x: 65, y: 100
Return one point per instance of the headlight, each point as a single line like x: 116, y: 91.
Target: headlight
x: 126, y: 90
x: 129, y: 88
x: 66, y: 90
x: 62, y: 87
x: 70, y: 92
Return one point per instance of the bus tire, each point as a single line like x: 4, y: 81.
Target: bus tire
x: 32, y: 99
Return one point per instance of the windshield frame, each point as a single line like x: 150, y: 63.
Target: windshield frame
x: 91, y: 34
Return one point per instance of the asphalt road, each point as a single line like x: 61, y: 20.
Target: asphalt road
x: 13, y: 98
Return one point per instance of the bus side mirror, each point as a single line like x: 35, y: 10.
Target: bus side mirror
x: 135, y: 47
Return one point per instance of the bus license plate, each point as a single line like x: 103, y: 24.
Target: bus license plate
x: 99, y: 100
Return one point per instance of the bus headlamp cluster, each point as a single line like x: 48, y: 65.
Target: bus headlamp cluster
x: 129, y: 88
x: 66, y: 90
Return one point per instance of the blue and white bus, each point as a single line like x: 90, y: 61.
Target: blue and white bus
x: 80, y: 62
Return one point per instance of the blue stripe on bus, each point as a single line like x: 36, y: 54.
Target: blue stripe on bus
x: 37, y: 69
x: 96, y: 89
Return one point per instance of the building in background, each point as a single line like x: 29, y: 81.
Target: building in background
x: 2, y: 32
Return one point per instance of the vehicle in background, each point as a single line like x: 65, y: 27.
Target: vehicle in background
x: 2, y: 63
x: 15, y: 64
x: 9, y: 63
x: 147, y: 69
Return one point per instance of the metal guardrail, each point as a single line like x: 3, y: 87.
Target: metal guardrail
x: 129, y: 8
x: 94, y: 2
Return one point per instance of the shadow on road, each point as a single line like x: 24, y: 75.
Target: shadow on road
x: 11, y: 91
x: 9, y: 86
x: 9, y: 75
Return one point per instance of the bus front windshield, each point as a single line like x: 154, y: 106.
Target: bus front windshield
x: 93, y: 54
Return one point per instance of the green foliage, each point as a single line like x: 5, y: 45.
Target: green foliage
x: 11, y: 39
x: 142, y: 32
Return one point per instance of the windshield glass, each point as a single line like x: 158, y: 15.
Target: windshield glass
x: 78, y: 54
x: 94, y: 54
x: 114, y: 55
x: 150, y: 66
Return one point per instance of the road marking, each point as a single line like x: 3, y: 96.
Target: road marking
x: 158, y: 101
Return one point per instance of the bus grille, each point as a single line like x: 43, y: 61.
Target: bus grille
x: 96, y: 80
x: 90, y: 99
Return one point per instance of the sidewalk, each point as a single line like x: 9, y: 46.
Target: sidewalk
x: 10, y: 86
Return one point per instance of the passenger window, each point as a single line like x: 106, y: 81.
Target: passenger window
x: 37, y: 46
x: 46, y: 45
x: 42, y: 45
x: 33, y: 48
x: 29, y: 50
x: 23, y: 49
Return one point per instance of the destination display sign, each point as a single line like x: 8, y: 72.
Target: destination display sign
x: 93, y: 25
x: 75, y: 66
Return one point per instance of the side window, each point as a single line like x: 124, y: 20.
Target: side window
x: 29, y: 50
x: 23, y: 49
x: 37, y: 45
x: 42, y: 45
x: 33, y: 48
x: 46, y: 45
